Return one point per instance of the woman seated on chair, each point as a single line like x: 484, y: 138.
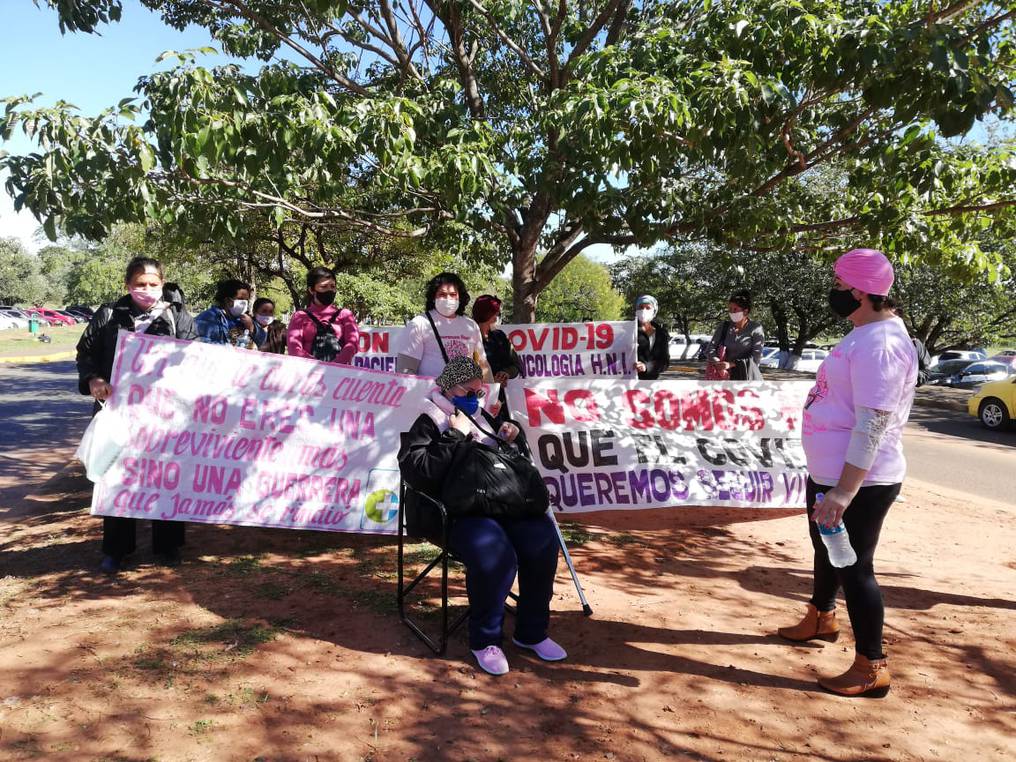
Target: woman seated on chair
x: 492, y: 549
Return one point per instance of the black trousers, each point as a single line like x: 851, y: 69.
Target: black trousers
x: 119, y: 536
x: 863, y: 520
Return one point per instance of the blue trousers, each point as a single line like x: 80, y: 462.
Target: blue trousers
x: 493, y: 551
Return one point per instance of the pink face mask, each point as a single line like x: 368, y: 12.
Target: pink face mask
x: 145, y: 298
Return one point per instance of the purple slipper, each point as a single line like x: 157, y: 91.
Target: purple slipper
x: 546, y: 649
x: 492, y: 660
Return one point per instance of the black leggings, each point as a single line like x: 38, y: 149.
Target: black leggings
x: 863, y: 520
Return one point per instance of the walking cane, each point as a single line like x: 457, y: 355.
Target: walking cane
x: 586, y: 608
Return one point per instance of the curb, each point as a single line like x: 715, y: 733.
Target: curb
x: 30, y: 359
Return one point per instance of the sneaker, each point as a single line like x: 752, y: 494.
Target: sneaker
x: 492, y: 660
x: 546, y: 649
x: 110, y: 565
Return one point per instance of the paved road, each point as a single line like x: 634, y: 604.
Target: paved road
x: 40, y: 405
x: 953, y: 450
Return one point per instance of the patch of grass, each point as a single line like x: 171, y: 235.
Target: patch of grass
x: 272, y: 589
x: 320, y: 581
x: 622, y: 539
x: 253, y: 698
x: 240, y: 638
x: 244, y: 565
x: 19, y: 341
x: 423, y: 553
x: 150, y: 660
x: 200, y: 728
x: 576, y: 534
x: 378, y: 601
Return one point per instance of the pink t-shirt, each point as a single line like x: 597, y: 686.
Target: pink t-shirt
x: 874, y: 366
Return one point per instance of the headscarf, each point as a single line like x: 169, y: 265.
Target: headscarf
x: 459, y: 370
x: 647, y: 299
x: 867, y: 270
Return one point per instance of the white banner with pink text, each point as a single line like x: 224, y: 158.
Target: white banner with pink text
x: 624, y: 445
x: 230, y: 436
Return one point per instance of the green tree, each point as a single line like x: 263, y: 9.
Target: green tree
x: 531, y: 131
x: 20, y: 279
x: 582, y: 291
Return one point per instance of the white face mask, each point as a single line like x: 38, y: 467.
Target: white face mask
x: 645, y: 314
x: 737, y: 317
x: 239, y: 307
x: 447, y: 306
x: 264, y: 319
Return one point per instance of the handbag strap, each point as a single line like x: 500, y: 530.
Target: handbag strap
x: 437, y: 336
x: 331, y: 320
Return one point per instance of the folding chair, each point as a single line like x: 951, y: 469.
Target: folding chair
x: 437, y: 509
x: 414, y: 499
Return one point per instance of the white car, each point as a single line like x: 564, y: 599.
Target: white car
x: 15, y: 318
x: 957, y: 354
x: 810, y: 360
x: 6, y: 323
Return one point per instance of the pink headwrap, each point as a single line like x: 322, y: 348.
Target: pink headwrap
x: 867, y: 270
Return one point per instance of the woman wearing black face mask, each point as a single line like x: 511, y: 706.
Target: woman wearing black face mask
x: 852, y: 433
x: 323, y: 330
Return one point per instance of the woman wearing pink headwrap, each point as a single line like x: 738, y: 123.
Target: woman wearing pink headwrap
x: 852, y: 436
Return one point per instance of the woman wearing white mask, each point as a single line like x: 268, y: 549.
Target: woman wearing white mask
x: 264, y: 316
x: 653, y: 339
x: 142, y: 310
x: 227, y: 321
x: 442, y: 332
x: 741, y: 340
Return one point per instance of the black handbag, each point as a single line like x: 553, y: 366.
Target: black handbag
x: 497, y: 482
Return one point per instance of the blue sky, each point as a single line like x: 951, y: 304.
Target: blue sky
x: 90, y: 71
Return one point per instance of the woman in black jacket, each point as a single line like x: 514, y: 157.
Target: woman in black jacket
x: 741, y: 339
x: 653, y: 339
x: 501, y: 355
x: 141, y: 310
x: 492, y: 549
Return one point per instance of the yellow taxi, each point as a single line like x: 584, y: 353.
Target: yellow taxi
x: 995, y: 403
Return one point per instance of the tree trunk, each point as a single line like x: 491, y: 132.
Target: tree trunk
x: 525, y: 289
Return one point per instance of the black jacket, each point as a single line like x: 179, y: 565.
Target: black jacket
x: 657, y: 359
x: 97, y: 346
x: 501, y: 356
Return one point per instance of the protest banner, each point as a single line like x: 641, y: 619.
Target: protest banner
x: 625, y: 445
x: 230, y: 436
x: 596, y: 349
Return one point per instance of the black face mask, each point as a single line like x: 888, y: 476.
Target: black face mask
x: 843, y: 302
x: 324, y: 298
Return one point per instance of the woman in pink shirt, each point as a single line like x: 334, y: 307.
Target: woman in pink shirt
x: 852, y: 435
x: 323, y: 330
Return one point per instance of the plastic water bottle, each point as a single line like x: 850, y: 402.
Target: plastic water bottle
x: 244, y: 342
x: 837, y: 541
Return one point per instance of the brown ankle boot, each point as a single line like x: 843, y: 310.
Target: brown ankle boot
x: 866, y: 677
x: 816, y: 625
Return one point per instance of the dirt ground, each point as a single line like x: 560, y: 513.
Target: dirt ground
x: 284, y: 645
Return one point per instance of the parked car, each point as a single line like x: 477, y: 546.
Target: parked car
x: 768, y: 352
x: 811, y: 359
x: 72, y: 316
x: 15, y: 316
x: 994, y: 404
x: 6, y: 323
x: 958, y: 354
x: 944, y: 370
x: 54, y: 317
x: 85, y: 317
x: 1006, y: 357
x: 978, y: 373
x: 84, y: 309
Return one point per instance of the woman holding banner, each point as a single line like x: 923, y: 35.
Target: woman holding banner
x: 503, y: 359
x: 852, y: 435
x: 493, y: 549
x: 653, y: 339
x: 324, y: 330
x: 141, y: 310
x: 442, y: 332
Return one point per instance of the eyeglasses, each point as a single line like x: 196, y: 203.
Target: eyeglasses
x: 477, y: 393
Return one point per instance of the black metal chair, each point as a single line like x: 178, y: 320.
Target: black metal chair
x: 435, y: 517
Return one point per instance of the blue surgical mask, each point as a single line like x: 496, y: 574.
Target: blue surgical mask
x: 467, y: 404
